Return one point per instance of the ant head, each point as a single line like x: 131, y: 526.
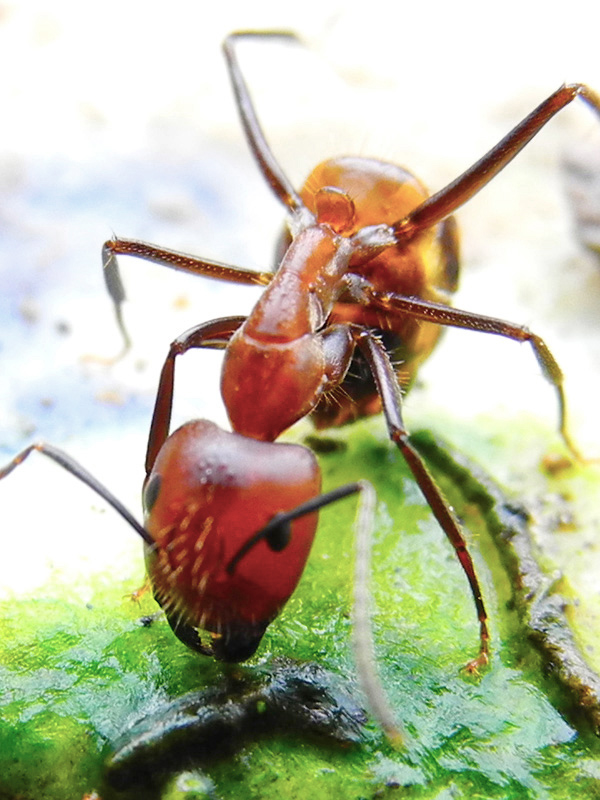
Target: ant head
x: 209, y: 493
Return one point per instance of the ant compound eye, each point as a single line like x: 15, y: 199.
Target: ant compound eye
x: 151, y: 492
x: 279, y: 537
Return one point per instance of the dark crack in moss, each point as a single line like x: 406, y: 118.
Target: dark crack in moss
x: 541, y: 610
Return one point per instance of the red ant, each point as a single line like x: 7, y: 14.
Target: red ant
x: 364, y: 280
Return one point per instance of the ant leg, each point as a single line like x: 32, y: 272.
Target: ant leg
x: 457, y: 318
x: 389, y: 391
x: 167, y: 258
x: 268, y: 165
x: 72, y: 466
x: 214, y: 334
x: 456, y: 194
x: 277, y: 534
x: 372, y: 240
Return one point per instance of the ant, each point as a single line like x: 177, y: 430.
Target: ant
x: 364, y: 281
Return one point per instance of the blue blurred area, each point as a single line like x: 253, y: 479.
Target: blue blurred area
x: 54, y: 309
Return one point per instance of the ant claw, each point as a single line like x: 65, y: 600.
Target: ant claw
x: 478, y: 664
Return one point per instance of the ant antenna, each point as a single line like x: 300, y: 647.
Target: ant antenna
x: 277, y: 533
x: 362, y: 627
x: 72, y: 466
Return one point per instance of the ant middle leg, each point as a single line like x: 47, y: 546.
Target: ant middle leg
x: 481, y: 323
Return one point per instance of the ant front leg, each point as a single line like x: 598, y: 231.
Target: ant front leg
x: 468, y: 320
x: 214, y: 334
x: 389, y: 391
x: 167, y: 258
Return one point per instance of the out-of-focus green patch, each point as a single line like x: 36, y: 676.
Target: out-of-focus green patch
x: 74, y: 677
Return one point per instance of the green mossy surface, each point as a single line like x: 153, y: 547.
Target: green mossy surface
x: 75, y: 676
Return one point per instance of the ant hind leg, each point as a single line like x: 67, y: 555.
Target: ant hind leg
x: 389, y: 391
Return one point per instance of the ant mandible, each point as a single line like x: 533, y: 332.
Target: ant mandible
x: 369, y: 267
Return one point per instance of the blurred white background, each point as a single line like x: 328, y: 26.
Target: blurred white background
x: 117, y: 117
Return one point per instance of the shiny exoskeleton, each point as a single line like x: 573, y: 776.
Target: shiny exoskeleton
x: 364, y: 280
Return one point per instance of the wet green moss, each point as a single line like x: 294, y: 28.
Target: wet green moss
x: 75, y: 677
